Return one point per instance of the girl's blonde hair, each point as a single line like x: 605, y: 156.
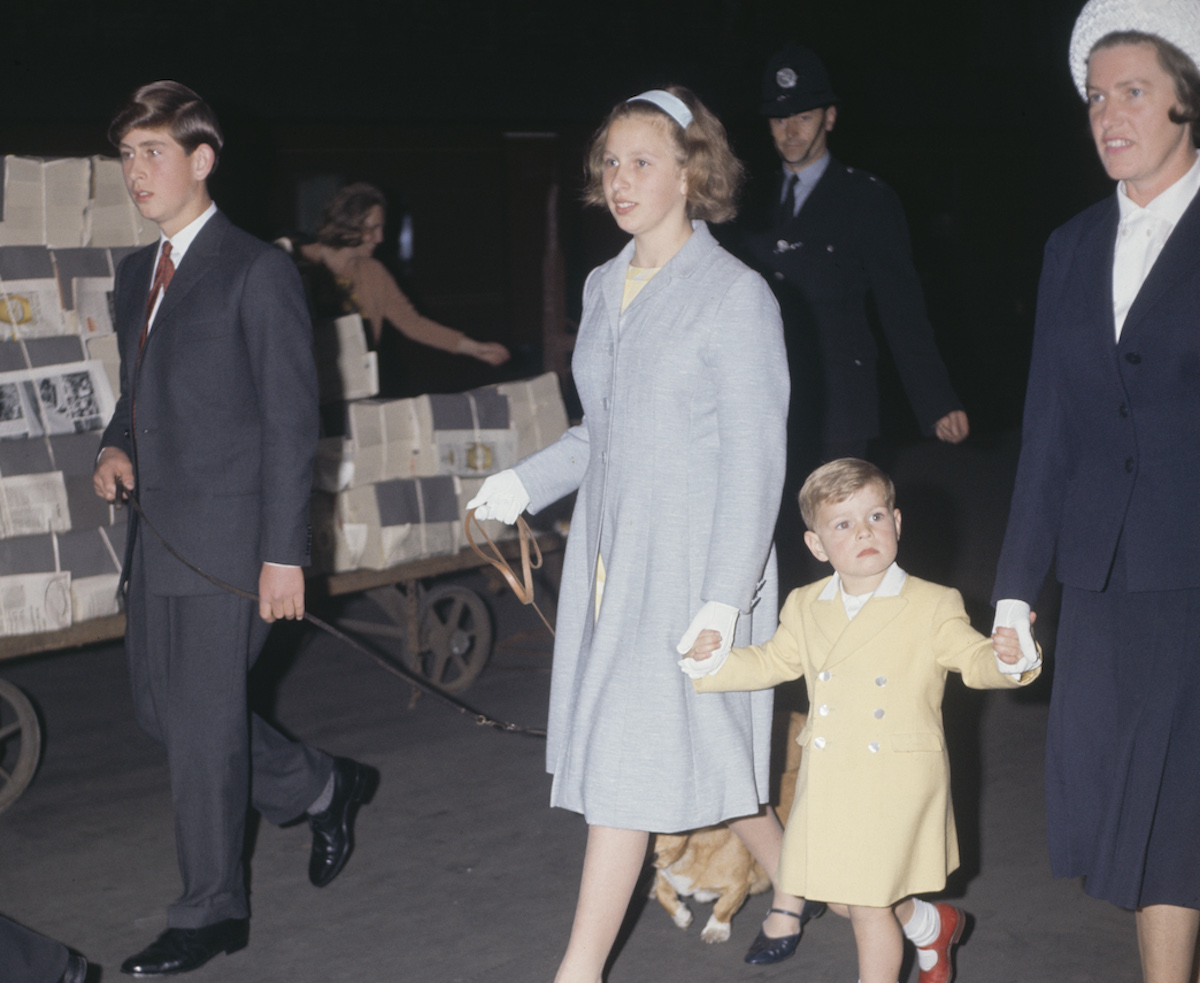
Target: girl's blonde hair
x: 714, y: 174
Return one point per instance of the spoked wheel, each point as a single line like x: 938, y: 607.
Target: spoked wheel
x: 456, y: 638
x: 20, y: 743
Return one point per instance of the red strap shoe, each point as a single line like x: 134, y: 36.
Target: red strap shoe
x: 953, y: 920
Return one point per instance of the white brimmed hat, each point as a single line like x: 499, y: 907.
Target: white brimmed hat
x: 1176, y: 21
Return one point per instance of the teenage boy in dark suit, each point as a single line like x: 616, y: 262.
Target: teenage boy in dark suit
x: 214, y: 432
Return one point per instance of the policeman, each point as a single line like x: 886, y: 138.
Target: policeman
x: 827, y: 237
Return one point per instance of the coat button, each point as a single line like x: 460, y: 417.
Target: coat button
x: 1129, y: 465
x: 1133, y: 358
x: 823, y: 709
x: 1123, y: 410
x: 824, y: 676
x: 777, y: 275
x: 878, y: 714
x: 881, y: 680
x: 604, y: 402
x: 873, y: 747
x: 818, y: 742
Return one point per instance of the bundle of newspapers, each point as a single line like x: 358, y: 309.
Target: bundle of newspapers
x: 64, y: 226
x: 394, y: 486
x: 391, y: 481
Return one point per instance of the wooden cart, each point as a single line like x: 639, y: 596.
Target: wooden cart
x: 441, y: 632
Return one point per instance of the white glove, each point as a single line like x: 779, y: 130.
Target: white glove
x: 721, y: 618
x: 1015, y: 614
x: 502, y: 497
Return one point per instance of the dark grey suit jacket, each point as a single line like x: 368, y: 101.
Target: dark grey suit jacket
x: 1110, y: 448
x: 226, y: 399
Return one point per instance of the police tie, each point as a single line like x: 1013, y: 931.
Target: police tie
x: 787, y: 204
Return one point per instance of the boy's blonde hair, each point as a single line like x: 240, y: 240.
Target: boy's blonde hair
x: 837, y: 481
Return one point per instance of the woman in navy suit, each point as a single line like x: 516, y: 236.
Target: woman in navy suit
x: 1109, y: 482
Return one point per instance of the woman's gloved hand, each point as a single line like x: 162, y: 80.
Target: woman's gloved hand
x: 719, y: 617
x: 502, y: 497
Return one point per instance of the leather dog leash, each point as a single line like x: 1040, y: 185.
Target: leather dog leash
x: 482, y: 719
x: 523, y: 588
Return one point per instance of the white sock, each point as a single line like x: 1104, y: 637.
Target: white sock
x: 923, y: 927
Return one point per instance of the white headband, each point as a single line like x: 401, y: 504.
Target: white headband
x: 673, y: 106
x: 1177, y: 21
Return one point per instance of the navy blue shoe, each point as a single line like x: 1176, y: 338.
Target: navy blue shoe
x: 765, y: 950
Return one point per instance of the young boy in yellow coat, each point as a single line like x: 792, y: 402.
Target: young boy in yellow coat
x: 872, y: 823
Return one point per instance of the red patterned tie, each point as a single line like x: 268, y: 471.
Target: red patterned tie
x: 162, y: 278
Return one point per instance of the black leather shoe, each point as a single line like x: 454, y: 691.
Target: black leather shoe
x: 180, y: 950
x: 76, y: 971
x: 333, y: 829
x: 765, y: 950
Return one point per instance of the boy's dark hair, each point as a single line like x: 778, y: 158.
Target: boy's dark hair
x: 1175, y: 63
x: 345, y: 214
x: 172, y: 107
x: 837, y: 481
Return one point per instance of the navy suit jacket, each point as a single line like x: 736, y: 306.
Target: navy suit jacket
x: 848, y: 243
x: 1111, y: 440
x: 226, y: 397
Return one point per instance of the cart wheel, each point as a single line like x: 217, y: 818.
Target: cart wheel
x: 20, y: 743
x: 456, y: 637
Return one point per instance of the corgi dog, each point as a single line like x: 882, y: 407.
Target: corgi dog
x: 712, y: 864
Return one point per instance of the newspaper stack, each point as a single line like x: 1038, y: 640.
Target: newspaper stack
x: 65, y: 224
x: 68, y: 202
x: 396, y: 488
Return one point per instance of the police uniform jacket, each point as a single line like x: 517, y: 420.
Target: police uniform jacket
x: 850, y: 240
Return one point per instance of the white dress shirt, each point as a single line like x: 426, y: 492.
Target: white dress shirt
x: 1141, y: 235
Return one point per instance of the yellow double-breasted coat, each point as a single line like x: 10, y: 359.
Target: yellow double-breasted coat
x: 872, y: 821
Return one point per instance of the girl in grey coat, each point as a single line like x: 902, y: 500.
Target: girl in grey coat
x: 678, y: 465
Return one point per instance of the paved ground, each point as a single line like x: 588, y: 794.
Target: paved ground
x: 462, y: 872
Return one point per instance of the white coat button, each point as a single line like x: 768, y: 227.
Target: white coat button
x: 873, y: 747
x: 881, y: 680
x: 823, y: 709
x: 782, y: 246
x: 824, y: 676
x: 879, y: 713
x: 818, y: 742
x: 604, y: 402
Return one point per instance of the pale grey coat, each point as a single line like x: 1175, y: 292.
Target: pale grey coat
x: 679, y: 465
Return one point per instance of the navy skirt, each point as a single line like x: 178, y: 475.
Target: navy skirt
x: 1123, y: 744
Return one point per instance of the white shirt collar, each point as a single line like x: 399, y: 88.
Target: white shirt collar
x: 890, y: 586
x: 182, y: 239
x: 1168, y: 206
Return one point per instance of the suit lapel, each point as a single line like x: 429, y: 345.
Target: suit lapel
x: 819, y: 201
x: 1177, y: 260
x: 875, y: 616
x: 192, y: 269
x: 135, y: 288
x: 1088, y: 303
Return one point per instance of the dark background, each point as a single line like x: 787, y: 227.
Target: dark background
x: 467, y: 113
